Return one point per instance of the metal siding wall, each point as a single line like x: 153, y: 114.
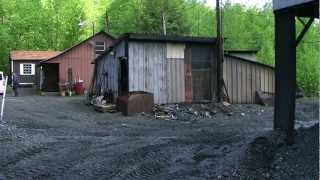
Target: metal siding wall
x: 243, y: 79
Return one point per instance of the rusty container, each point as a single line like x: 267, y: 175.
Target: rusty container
x: 135, y: 102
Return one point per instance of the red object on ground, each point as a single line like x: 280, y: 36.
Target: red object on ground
x: 79, y: 88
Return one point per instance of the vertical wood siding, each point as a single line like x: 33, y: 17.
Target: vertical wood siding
x: 147, y: 69
x: 158, y: 68
x: 175, y: 73
x: 243, y: 79
x: 79, y: 59
x: 107, y: 72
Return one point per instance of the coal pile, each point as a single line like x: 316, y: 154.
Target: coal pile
x: 269, y: 157
x: 190, y: 112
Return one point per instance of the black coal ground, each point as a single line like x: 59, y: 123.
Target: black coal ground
x: 61, y: 138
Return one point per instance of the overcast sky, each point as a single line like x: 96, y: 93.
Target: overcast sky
x: 258, y: 3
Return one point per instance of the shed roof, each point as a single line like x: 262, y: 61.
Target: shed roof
x: 167, y: 38
x: 33, y: 55
x: 248, y: 60
x: 280, y: 4
x: 150, y: 37
x: 241, y: 51
x: 67, y: 50
x: 301, y: 8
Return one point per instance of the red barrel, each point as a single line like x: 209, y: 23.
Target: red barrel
x: 78, y: 88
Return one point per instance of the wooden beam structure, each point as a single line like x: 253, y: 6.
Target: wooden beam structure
x: 285, y: 54
x: 285, y: 58
x: 220, y: 53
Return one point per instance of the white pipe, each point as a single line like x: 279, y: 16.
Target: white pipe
x: 3, y: 98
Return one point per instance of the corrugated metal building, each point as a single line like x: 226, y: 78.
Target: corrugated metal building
x: 175, y: 69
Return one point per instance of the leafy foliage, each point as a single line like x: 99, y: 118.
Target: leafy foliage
x: 54, y: 25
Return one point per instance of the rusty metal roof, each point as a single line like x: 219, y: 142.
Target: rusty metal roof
x: 33, y: 55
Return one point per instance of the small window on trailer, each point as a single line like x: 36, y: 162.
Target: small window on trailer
x: 27, y: 69
x: 100, y: 47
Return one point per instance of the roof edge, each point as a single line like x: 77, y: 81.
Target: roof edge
x: 156, y: 37
x: 78, y: 44
x: 242, y: 51
x: 253, y: 62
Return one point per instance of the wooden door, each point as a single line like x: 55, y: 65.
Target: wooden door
x: 202, y: 75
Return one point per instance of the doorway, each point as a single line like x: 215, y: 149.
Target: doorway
x: 203, y: 80
x: 50, y: 82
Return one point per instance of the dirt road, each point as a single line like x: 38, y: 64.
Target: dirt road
x: 61, y: 138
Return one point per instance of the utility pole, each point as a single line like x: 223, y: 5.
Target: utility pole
x: 220, y: 53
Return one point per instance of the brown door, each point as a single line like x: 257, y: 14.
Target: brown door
x: 202, y: 75
x: 50, y: 78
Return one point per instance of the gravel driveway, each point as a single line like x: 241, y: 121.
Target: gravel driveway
x: 61, y: 138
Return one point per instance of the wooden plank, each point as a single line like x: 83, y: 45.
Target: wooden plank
x: 169, y: 81
x: 262, y: 79
x: 244, y: 83
x: 253, y: 82
x: 182, y: 81
x: 229, y: 79
x: 226, y: 62
x: 249, y: 83
x: 234, y: 81
x: 270, y: 81
x: 239, y: 84
x: 188, y: 76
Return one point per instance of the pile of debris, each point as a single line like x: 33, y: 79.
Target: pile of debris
x: 101, y: 104
x: 187, y: 112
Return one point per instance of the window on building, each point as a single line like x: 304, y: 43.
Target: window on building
x: 100, y: 47
x: 27, y: 69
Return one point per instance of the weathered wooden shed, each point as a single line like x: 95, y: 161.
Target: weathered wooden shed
x: 244, y: 76
x: 177, y: 69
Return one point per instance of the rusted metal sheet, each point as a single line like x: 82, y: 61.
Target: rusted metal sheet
x: 135, y: 102
x: 79, y: 60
